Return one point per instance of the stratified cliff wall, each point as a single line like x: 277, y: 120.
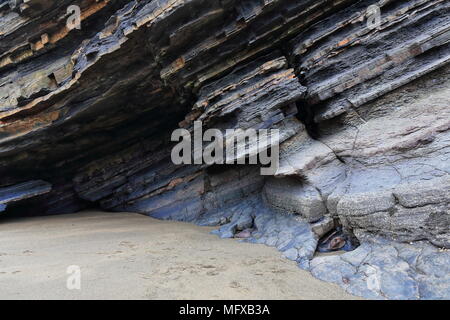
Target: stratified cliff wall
x: 360, y: 91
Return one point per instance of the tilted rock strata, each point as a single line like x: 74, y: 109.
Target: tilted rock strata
x: 363, y: 115
x: 22, y: 191
x: 379, y: 269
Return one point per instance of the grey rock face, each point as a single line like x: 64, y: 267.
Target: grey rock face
x: 323, y: 226
x: 399, y: 187
x: 378, y: 269
x: 290, y: 234
x: 385, y: 173
x: 388, y: 270
x: 362, y: 112
x: 295, y: 197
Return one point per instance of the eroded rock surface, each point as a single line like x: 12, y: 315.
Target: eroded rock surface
x: 380, y: 269
x: 363, y: 114
x: 22, y: 191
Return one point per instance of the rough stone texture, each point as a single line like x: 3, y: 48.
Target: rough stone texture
x: 397, y: 181
x: 381, y: 269
x: 363, y: 115
x: 22, y: 191
x: 291, y: 235
x: 323, y: 226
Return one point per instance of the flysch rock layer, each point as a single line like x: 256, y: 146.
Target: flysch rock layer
x: 363, y: 114
x: 22, y: 191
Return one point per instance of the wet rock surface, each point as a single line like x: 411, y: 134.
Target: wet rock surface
x: 23, y: 191
x: 380, y: 269
x: 363, y: 114
x: 376, y: 268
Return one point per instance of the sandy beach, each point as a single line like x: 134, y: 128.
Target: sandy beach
x: 130, y: 256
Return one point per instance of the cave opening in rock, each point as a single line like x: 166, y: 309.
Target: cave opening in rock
x: 86, y: 118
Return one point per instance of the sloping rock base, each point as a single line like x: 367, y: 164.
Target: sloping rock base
x: 377, y: 269
x: 86, y: 117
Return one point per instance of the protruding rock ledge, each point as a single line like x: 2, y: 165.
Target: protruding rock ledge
x: 22, y: 191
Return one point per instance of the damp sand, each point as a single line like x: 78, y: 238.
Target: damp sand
x: 130, y: 256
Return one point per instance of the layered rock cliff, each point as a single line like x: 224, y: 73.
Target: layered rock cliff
x: 360, y: 91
